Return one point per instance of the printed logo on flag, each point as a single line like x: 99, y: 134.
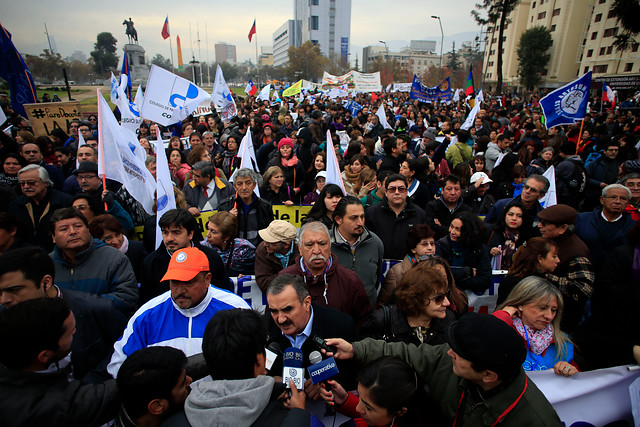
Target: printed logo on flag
x: 570, y: 101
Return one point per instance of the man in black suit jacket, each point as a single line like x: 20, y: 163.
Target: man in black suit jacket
x: 293, y: 320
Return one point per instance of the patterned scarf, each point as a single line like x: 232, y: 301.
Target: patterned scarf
x: 538, y: 341
x: 509, y: 248
x: 289, y: 162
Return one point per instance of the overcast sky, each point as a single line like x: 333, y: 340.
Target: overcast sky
x: 75, y: 24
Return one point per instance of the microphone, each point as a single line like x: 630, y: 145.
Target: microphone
x: 272, y: 352
x: 320, y: 371
x: 292, y: 367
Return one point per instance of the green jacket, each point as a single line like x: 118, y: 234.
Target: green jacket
x: 436, y: 368
x: 458, y: 153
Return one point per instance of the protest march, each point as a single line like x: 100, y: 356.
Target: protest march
x: 307, y: 253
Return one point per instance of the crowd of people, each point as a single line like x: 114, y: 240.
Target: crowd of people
x: 99, y: 323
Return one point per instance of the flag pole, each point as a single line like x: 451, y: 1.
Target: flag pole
x: 256, y: 36
x: 580, y: 136
x: 171, y: 51
x: 101, y: 145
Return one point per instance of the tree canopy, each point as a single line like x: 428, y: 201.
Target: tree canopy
x: 532, y: 55
x: 306, y: 61
x: 104, y: 53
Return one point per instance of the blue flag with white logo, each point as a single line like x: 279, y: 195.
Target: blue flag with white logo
x: 568, y: 104
x: 125, y: 70
x: 353, y: 106
x: 14, y: 70
x: 423, y: 93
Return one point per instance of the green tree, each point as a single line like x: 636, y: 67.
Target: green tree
x: 45, y: 67
x: 626, y: 13
x: 532, y: 55
x: 497, y: 13
x: 454, y: 63
x: 161, y: 62
x: 104, y: 53
x: 229, y: 71
x: 306, y: 62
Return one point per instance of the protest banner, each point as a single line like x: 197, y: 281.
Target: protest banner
x: 361, y: 82
x: 401, y: 87
x: 47, y: 116
x: 594, y: 398
x: 442, y: 92
x: 222, y: 97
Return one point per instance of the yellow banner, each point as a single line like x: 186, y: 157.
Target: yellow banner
x: 47, y: 116
x: 293, y: 90
x: 293, y: 214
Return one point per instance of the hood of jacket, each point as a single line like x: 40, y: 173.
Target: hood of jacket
x: 229, y: 403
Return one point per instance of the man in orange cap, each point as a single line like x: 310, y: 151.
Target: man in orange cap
x: 176, y: 318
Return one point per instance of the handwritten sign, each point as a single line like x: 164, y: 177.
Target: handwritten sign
x: 47, y: 116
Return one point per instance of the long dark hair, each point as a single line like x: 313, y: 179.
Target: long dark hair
x: 319, y: 209
x: 472, y: 232
x: 394, y: 385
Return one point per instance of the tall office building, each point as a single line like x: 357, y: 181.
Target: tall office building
x: 326, y: 23
x: 283, y: 38
x: 225, y: 53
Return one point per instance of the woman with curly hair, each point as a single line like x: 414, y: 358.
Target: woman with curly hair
x: 465, y: 252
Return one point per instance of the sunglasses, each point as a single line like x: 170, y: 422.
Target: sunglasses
x: 438, y: 299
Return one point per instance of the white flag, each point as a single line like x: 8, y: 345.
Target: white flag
x: 456, y: 96
x: 222, y: 97
x: 383, y: 117
x: 81, y: 142
x: 333, y: 168
x: 129, y: 115
x: 480, y: 96
x: 118, y: 159
x: 264, y: 93
x: 247, y: 158
x: 164, y: 190
x: 113, y: 92
x: 550, y: 198
x: 170, y: 98
x: 472, y: 115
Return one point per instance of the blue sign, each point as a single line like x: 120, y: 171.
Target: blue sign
x: 322, y: 371
x: 353, y: 106
x: 344, y: 47
x: 568, y: 104
x: 423, y: 93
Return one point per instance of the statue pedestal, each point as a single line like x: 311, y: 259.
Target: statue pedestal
x: 137, y: 64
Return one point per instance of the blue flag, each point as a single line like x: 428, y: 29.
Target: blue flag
x: 125, y: 71
x: 423, y: 93
x: 568, y: 104
x: 14, y: 70
x: 353, y: 106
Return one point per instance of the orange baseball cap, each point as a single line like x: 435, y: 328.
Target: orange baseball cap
x: 185, y: 264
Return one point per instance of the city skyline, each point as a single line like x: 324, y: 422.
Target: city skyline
x: 75, y: 25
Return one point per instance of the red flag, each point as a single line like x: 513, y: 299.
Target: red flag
x: 374, y: 97
x: 165, y: 28
x: 252, y: 31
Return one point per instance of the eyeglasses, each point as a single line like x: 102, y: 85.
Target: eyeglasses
x: 29, y: 182
x: 86, y: 177
x: 438, y: 299
x: 397, y: 189
x: 533, y: 190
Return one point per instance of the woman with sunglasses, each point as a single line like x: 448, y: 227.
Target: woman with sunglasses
x: 421, y: 313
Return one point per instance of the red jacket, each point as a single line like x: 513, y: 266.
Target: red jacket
x: 344, y: 290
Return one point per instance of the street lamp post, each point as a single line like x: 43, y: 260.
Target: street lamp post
x: 441, y: 42
x: 387, y: 49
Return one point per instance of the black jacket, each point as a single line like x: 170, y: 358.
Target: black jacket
x: 264, y: 213
x: 477, y: 258
x: 49, y: 399
x: 392, y: 229
x: 327, y: 323
x: 156, y: 263
x: 390, y: 324
x: 38, y: 233
x: 436, y: 209
x: 136, y: 254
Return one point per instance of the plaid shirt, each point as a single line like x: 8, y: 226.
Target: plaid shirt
x: 579, y: 275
